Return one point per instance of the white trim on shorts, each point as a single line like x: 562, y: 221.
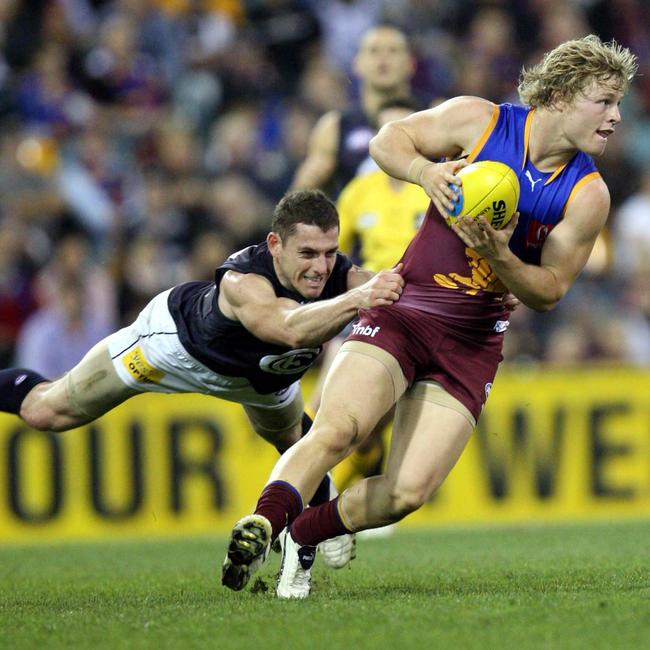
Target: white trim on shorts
x: 148, y: 356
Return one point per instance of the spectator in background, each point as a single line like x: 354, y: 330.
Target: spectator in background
x: 489, y: 66
x: 100, y: 183
x: 47, y: 100
x: 73, y: 260
x: 236, y: 205
x: 343, y: 24
x: 56, y: 337
x: 288, y: 31
x: 154, y: 79
x: 632, y: 232
x: 121, y: 78
x: 17, y: 295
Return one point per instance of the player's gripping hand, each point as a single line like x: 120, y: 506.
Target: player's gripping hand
x: 438, y: 181
x: 384, y: 288
x: 485, y: 240
x: 511, y: 302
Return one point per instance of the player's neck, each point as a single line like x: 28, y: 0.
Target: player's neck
x: 372, y: 99
x: 548, y: 148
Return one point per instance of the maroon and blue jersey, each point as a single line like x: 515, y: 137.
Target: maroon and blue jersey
x: 543, y: 195
x: 446, y: 278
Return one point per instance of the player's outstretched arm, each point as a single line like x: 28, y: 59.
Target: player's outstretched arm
x: 250, y: 299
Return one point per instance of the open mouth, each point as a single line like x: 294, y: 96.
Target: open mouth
x: 313, y: 281
x: 605, y: 133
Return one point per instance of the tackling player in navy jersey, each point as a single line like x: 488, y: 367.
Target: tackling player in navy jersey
x: 248, y: 337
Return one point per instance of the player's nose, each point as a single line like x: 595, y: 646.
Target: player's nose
x: 320, y: 265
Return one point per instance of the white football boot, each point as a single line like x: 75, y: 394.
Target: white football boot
x: 248, y: 547
x: 339, y: 551
x: 294, y: 580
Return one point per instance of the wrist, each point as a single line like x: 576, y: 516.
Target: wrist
x: 415, y: 169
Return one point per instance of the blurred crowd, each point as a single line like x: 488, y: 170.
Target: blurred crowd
x: 142, y: 141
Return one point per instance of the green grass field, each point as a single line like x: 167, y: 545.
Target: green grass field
x: 568, y: 586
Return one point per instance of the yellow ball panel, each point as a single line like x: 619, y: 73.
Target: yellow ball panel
x: 490, y: 189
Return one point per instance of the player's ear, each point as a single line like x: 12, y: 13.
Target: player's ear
x: 274, y: 242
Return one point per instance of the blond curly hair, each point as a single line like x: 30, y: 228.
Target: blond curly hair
x: 568, y: 69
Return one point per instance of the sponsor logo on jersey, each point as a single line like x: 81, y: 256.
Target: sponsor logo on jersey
x: 537, y: 233
x: 501, y: 326
x: 19, y: 380
x: 360, y: 330
x: 532, y: 181
x: 140, y: 368
x: 289, y: 363
x: 488, y: 388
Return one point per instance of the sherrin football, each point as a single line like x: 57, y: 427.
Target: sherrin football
x: 489, y: 188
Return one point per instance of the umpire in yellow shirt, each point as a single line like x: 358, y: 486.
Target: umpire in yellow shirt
x: 379, y: 214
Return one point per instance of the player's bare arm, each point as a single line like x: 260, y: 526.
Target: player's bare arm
x: 320, y: 163
x: 250, y: 299
x: 407, y: 148
x: 564, y: 255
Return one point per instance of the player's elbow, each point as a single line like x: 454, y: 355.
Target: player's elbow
x: 541, y: 307
x: 549, y: 293
x: 374, y: 148
x: 378, y: 148
x: 545, y: 302
x: 297, y: 338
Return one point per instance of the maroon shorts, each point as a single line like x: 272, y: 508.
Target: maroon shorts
x: 462, y: 360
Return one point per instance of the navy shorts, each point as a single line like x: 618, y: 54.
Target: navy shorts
x: 463, y: 360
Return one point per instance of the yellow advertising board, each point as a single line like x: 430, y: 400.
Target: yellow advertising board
x: 550, y: 445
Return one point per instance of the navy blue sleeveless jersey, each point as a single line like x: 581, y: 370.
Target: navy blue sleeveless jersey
x: 355, y: 133
x: 544, y: 195
x: 225, y: 345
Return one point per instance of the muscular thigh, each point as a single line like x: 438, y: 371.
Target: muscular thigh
x: 362, y: 385
x: 430, y: 432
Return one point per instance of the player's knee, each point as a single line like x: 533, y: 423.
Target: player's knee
x: 336, y: 438
x: 38, y: 413
x: 405, y: 500
x: 39, y: 418
x: 282, y: 440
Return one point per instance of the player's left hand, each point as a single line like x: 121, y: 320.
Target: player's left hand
x: 479, y: 235
x: 511, y: 302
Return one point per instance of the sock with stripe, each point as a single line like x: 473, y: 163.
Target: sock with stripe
x: 315, y: 525
x: 280, y: 503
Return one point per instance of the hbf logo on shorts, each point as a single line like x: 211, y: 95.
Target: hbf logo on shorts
x: 360, y: 330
